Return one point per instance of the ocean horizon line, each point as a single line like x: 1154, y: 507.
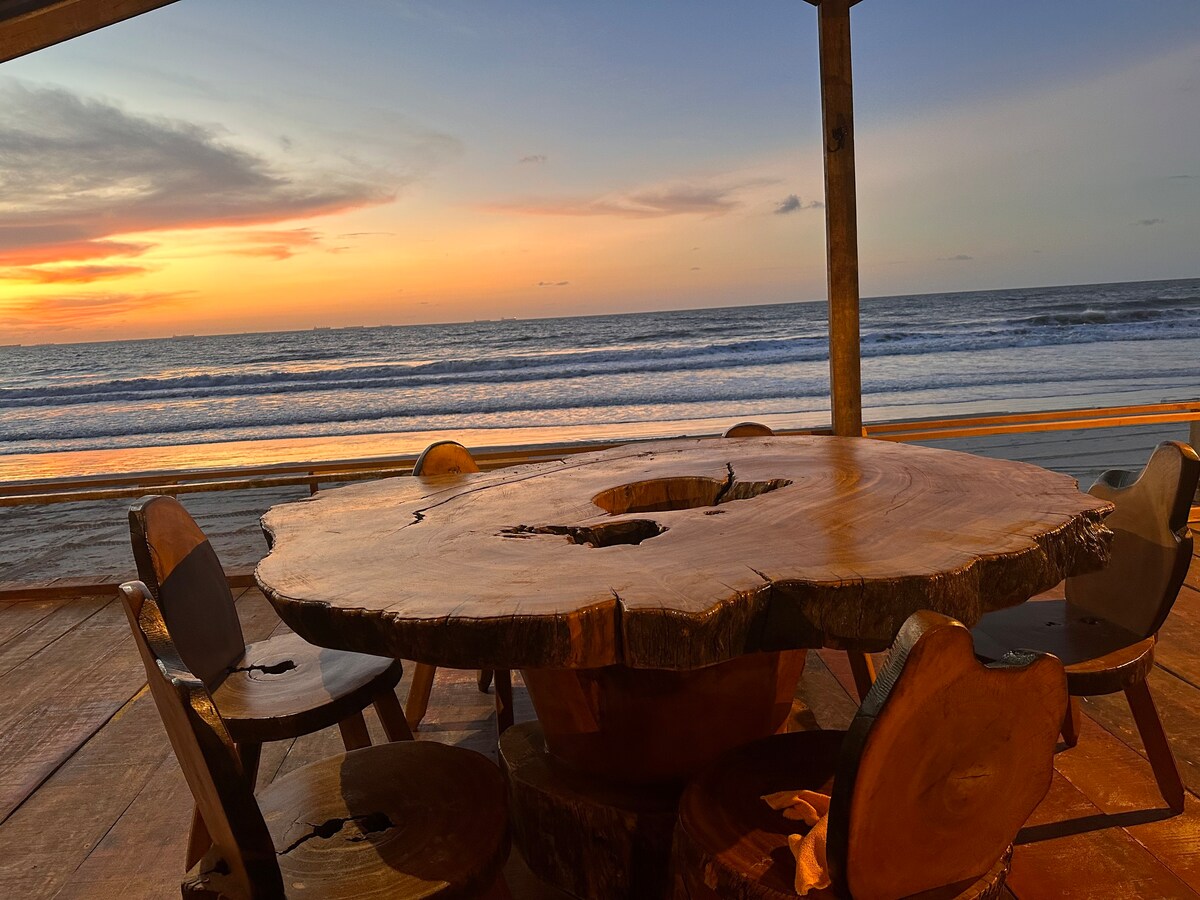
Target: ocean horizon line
x: 591, y: 315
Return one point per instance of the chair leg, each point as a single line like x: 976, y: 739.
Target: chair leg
x: 198, y: 839
x: 395, y: 725
x: 1154, y: 739
x: 863, y: 669
x: 354, y: 732
x: 418, y: 694
x: 1071, y: 722
x: 250, y: 753
x: 504, y: 700
x: 485, y: 680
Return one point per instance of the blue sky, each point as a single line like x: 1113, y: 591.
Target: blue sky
x: 432, y: 161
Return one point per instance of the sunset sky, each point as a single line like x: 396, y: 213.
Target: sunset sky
x: 221, y: 166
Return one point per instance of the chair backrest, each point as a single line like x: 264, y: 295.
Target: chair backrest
x: 445, y: 458
x: 748, y: 429
x: 178, y: 564
x: 1152, y: 546
x: 943, y: 763
x: 206, y: 754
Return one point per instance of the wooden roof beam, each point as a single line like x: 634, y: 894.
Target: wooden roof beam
x: 29, y: 25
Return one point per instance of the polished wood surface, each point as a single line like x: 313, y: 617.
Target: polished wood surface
x: 401, y: 820
x: 674, y: 554
x: 1106, y: 627
x: 940, y: 768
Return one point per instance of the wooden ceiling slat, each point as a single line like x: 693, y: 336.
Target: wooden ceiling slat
x: 29, y: 25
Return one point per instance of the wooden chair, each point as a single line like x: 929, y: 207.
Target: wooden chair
x: 400, y: 820
x: 940, y: 768
x: 748, y: 429
x: 862, y: 666
x: 1106, y: 628
x: 269, y: 690
x: 452, y: 458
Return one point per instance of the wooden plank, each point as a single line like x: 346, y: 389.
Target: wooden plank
x: 29, y: 25
x: 16, y: 617
x: 56, y: 699
x: 67, y: 589
x: 1029, y: 417
x: 1179, y: 706
x: 1069, y: 849
x: 52, y: 833
x: 1037, y: 427
x: 32, y: 640
x: 841, y: 218
x: 1118, y: 781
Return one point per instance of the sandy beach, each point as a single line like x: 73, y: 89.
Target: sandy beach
x: 91, y: 540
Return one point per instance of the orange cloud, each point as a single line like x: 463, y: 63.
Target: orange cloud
x: 278, y: 244
x: 70, y: 274
x: 71, y: 252
x: 78, y: 312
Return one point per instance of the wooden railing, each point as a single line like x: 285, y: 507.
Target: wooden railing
x: 312, y: 475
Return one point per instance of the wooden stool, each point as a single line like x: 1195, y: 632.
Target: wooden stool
x: 940, y: 768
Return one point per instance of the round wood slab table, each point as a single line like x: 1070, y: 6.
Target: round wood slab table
x: 658, y: 596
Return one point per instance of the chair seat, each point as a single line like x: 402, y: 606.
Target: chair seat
x: 286, y: 687
x: 401, y: 820
x: 722, y: 812
x: 1100, y: 656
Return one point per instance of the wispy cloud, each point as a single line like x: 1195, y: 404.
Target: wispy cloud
x: 68, y: 274
x: 278, y: 244
x: 71, y: 252
x: 80, y: 171
x: 1148, y: 222
x: 77, y: 312
x: 1181, y: 176
x: 553, y: 283
x: 677, y: 199
x: 961, y: 257
x: 792, y: 203
x: 532, y: 159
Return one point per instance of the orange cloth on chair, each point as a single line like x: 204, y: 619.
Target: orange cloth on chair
x: 812, y: 868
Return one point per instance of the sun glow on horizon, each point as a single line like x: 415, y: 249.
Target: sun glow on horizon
x: 572, y: 168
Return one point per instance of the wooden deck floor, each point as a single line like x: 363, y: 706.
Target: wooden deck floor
x: 92, y: 802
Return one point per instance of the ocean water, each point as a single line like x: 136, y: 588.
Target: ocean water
x: 923, y: 355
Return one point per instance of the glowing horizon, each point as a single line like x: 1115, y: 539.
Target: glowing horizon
x: 552, y: 161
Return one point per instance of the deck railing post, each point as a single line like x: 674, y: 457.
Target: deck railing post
x: 841, y: 219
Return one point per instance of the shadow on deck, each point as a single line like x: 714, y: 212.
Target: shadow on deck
x: 93, y: 804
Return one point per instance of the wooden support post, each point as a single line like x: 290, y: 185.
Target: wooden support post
x: 841, y: 221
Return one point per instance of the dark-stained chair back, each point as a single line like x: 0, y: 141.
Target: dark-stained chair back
x: 748, y: 429
x: 445, y: 458
x: 943, y: 763
x: 1152, y: 545
x: 180, y: 568
x: 205, y: 752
